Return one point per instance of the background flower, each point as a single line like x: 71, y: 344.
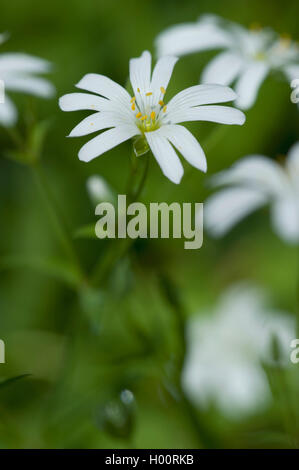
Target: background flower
x: 18, y: 73
x: 253, y: 182
x: 226, y: 349
x: 248, y: 57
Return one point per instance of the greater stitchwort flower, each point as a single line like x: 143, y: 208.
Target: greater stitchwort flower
x: 146, y: 116
x: 17, y: 71
x: 249, y: 54
x: 253, y: 182
x: 226, y: 348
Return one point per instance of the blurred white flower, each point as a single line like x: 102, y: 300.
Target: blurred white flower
x: 255, y: 181
x: 147, y: 116
x: 248, y: 56
x: 99, y: 190
x: 17, y: 71
x: 226, y: 348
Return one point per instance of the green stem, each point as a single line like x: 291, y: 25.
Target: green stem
x: 297, y: 298
x: 203, y: 432
x: 109, y: 259
x: 15, y: 137
x: 106, y: 263
x: 57, y: 218
x: 141, y: 184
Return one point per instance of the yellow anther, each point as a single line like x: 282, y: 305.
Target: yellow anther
x: 161, y: 103
x: 133, y: 99
x: 138, y: 115
x: 164, y: 109
x: 285, y: 36
x: 149, y: 93
x: 133, y: 106
x: 163, y: 90
x: 138, y: 89
x: 255, y: 26
x: 153, y: 115
x: 281, y: 158
x: 285, y: 40
x: 144, y: 117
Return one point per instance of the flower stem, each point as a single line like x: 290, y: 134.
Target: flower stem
x: 171, y: 295
x: 297, y: 298
x: 57, y: 218
x: 115, y: 253
x: 141, y: 184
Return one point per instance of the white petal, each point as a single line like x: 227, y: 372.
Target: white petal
x: 97, y: 122
x: 293, y: 162
x: 223, y: 69
x: 292, y: 71
x: 220, y: 114
x: 104, y: 86
x: 23, y: 63
x: 99, y: 190
x: 140, y: 75
x: 3, y: 37
x: 161, y: 75
x: 32, y: 85
x: 80, y: 101
x: 285, y: 218
x: 200, y: 95
x: 256, y: 171
x: 165, y: 155
x: 106, y: 141
x: 249, y: 83
x: 8, y: 113
x: 186, y: 144
x: 227, y: 207
x: 191, y: 37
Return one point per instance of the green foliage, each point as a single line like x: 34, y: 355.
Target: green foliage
x: 110, y: 317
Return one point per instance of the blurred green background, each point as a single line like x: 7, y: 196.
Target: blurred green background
x: 84, y: 345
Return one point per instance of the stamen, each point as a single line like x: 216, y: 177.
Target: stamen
x: 163, y: 90
x: 255, y: 26
x: 285, y: 40
x: 138, y: 89
x: 149, y: 93
x: 133, y: 106
x: 144, y: 117
x: 133, y: 99
x: 138, y: 115
x: 164, y: 109
x: 153, y: 115
x: 161, y: 103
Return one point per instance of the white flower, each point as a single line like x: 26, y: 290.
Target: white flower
x: 99, y: 190
x: 147, y: 116
x: 255, y: 181
x: 18, y: 74
x: 248, y: 56
x: 226, y: 347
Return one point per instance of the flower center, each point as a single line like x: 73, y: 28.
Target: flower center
x: 148, y: 109
x: 260, y: 56
x: 284, y: 41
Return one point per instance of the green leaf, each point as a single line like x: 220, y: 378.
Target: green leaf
x: 54, y: 267
x: 36, y: 139
x: 11, y: 380
x: 86, y: 231
x: 29, y: 148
